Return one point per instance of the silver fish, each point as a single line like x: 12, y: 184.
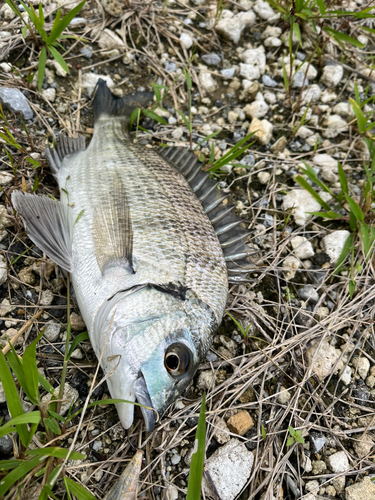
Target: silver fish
x: 149, y: 245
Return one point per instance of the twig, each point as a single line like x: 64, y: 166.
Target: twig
x: 22, y: 330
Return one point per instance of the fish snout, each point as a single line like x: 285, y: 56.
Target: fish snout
x: 142, y: 397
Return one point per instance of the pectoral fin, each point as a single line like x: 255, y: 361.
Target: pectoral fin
x: 112, y: 231
x: 47, y: 226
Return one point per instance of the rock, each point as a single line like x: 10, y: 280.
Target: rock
x: 256, y: 109
x: 339, y: 484
x: 284, y: 396
x: 232, y: 117
x: 263, y: 130
x: 272, y: 42
x: 321, y: 313
x: 89, y: 81
x: 46, y: 298
x: 334, y: 126
x: 176, y: 459
x: 108, y: 40
x: 14, y: 100
x: 6, y: 178
x: 268, y: 81
x: 301, y: 202
x: 338, y: 462
x: 207, y: 82
x: 177, y: 133
x: 326, y: 161
x: 212, y: 59
x: 362, y: 366
x: 279, y: 145
x: 363, y: 445
x: 6, y: 308
x: 265, y: 11
x: 322, y: 357
x: 312, y: 487
x: 317, y: 441
x: 299, y: 80
x: 60, y: 71
x: 302, y: 247
x: 186, y: 40
x: 6, y: 445
x: 77, y: 354
x: 229, y: 468
x: 6, y: 67
x: 172, y: 492
x: 346, y: 375
x: 290, y: 264
x: 308, y: 292
x: 5, y: 219
x: 343, y: 109
x: 49, y: 94
x: 311, y: 94
x: 2, y: 394
x: 77, y: 323
x: 306, y: 463
x: 112, y: 7
x: 86, y: 52
x: 70, y: 396
x: 221, y: 431
x: 304, y: 132
x: 332, y: 75
x: 318, y: 467
x: 231, y: 27
x: 206, y: 380
x: 333, y: 244
x: 27, y: 276
x: 364, y: 490
x: 264, y: 177
x: 7, y: 13
x: 3, y: 269
x: 170, y: 66
x: 228, y: 73
x: 254, y: 63
x: 52, y: 331
x: 240, y: 423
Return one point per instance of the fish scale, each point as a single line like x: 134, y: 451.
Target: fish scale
x: 147, y: 265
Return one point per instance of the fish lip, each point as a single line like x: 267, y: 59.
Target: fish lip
x: 142, y: 397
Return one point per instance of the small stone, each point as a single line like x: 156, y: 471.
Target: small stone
x: 52, y: 331
x: 318, y: 467
x: 27, y: 276
x: 206, y: 380
x: 86, y: 52
x: 212, y: 59
x: 240, y: 423
x: 321, y: 313
x: 265, y: 11
x: 89, y: 81
x: 2, y: 394
x: 256, y: 109
x: 60, y: 71
x: 170, y: 66
x: 279, y: 145
x: 312, y: 487
x: 177, y: 133
x: 228, y: 73
x: 300, y: 80
x: 364, y: 490
x: 332, y: 75
x: 339, y: 484
x: 306, y: 463
x: 108, y: 40
x: 172, y: 492
x: 6, y: 445
x: 363, y: 445
x: 6, y: 67
x: 302, y: 248
x: 254, y: 64
x: 301, y: 202
x: 268, y: 81
x: 326, y: 161
x: 221, y: 431
x: 317, y: 441
x: 186, y: 40
x: 77, y: 323
x: 112, y: 7
x: 308, y: 292
x: 264, y: 177
x: 6, y: 308
x: 231, y: 27
x: 49, y: 94
x: 322, y: 357
x: 263, y: 130
x: 6, y: 178
x: 311, y: 94
x: 334, y: 125
x: 362, y: 366
x: 207, y: 82
x: 229, y: 468
x: 370, y: 381
x: 7, y: 13
x: 333, y: 244
x: 290, y: 264
x: 346, y: 375
x: 272, y: 42
x: 232, y: 117
x: 70, y: 396
x: 284, y: 396
x: 338, y: 462
x: 14, y: 100
x: 46, y: 298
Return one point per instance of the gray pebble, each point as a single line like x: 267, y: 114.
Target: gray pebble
x: 86, y: 52
x: 308, y: 292
x: 317, y: 441
x: 176, y: 459
x: 52, y: 331
x: 212, y: 59
x: 268, y: 81
x: 6, y: 445
x: 14, y: 100
x: 299, y: 79
x: 170, y: 66
x: 248, y: 160
x: 211, y: 356
x: 228, y: 73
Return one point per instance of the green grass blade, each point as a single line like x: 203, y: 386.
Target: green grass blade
x: 154, y: 116
x: 302, y: 182
x: 326, y: 215
x: 41, y: 67
x: 345, y: 252
x: 342, y: 37
x: 59, y: 58
x: 52, y: 425
x: 80, y: 338
x: 355, y: 208
x: 16, y: 474
x: 56, y: 451
x: 186, y: 121
x: 321, y: 6
x: 361, y: 119
x: 14, y: 7
x: 343, y: 179
x: 79, y: 491
x: 32, y: 417
x: 9, y: 464
x: 31, y: 371
x: 197, y: 460
x: 64, y: 23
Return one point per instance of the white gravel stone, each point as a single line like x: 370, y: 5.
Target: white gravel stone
x: 207, y: 82
x: 321, y: 357
x: 284, y: 396
x: 346, y: 375
x: 343, y: 109
x: 89, y: 81
x: 108, y: 40
x: 172, y: 492
x: 70, y: 396
x: 231, y: 27
x: 364, y: 490
x: 6, y: 67
x: 3, y: 269
x: 206, y: 380
x: 290, y: 264
x: 265, y: 11
x: 232, y: 117
x: 6, y: 178
x: 303, y: 249
x: 264, y: 177
x: 256, y: 109
x: 229, y: 468
x: 271, y: 31
x: 254, y: 63
x: 332, y: 75
x: 46, y: 298
x: 362, y: 366
x: 311, y: 94
x: 338, y: 462
x: 301, y: 202
x: 272, y: 41
x: 334, y: 125
x: 263, y: 130
x: 49, y: 94
x: 326, y: 161
x: 6, y: 308
x: 304, y: 132
x: 222, y: 432
x: 7, y: 13
x: 363, y: 445
x: 2, y: 394
x: 333, y: 244
x: 60, y: 71
x: 270, y: 97
x: 186, y: 40
x: 177, y: 133
x: 52, y: 331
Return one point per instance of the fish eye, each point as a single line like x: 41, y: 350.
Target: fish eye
x: 177, y: 360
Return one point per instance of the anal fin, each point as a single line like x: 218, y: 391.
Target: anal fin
x: 47, y: 226
x: 64, y: 146
x: 112, y: 230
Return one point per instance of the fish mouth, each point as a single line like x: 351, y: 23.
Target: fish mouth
x: 142, y: 397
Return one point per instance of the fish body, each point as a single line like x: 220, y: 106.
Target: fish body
x: 146, y: 263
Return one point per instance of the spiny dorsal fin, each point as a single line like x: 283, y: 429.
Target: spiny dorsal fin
x: 47, y: 225
x: 64, y: 146
x: 105, y: 103
x: 112, y: 230
x: 225, y: 223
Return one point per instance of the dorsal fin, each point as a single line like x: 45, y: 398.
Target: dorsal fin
x: 63, y: 146
x: 112, y: 230
x: 227, y: 225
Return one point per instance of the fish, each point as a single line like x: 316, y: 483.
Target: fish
x: 151, y: 247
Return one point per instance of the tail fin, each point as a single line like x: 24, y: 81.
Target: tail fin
x: 105, y: 103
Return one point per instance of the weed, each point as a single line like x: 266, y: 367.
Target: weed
x: 49, y: 43
x: 294, y: 437
x: 197, y: 459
